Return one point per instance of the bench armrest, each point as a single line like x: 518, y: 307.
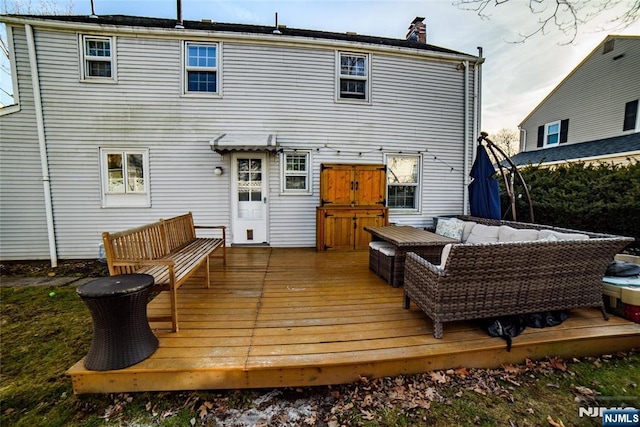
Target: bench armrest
x: 221, y: 227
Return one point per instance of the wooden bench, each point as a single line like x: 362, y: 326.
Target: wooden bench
x: 168, y: 250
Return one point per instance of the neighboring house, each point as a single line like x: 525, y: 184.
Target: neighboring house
x: 122, y: 120
x: 593, y: 115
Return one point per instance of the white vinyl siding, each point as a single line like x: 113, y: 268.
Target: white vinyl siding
x: 289, y: 90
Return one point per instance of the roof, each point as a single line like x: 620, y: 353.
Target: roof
x: 162, y: 23
x: 579, y: 151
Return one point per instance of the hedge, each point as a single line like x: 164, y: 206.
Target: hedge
x: 592, y: 197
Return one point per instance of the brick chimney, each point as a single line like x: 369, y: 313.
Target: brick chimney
x: 417, y: 30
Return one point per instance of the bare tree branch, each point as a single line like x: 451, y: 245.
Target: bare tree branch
x: 566, y: 16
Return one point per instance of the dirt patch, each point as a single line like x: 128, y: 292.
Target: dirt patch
x: 71, y: 268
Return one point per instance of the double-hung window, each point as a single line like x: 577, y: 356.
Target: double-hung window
x: 98, y: 58
x: 125, y: 177
x: 296, y: 176
x: 552, y: 133
x: 353, y: 76
x: 403, y: 182
x: 201, y: 68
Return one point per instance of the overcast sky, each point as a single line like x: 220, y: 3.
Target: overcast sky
x: 516, y: 76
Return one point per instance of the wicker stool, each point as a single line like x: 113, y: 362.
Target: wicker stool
x: 386, y: 260
x: 374, y: 256
x: 121, y: 333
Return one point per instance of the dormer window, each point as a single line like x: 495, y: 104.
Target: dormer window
x: 98, y: 58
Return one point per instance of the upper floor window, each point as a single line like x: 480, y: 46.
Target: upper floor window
x: 353, y: 76
x: 201, y: 69
x: 125, y: 177
x: 403, y: 182
x: 631, y: 116
x: 98, y: 58
x: 553, y: 133
x: 8, y: 76
x: 296, y: 172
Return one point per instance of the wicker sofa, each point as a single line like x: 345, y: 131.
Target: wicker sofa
x: 485, y: 280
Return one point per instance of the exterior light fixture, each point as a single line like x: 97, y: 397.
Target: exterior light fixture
x: 217, y: 171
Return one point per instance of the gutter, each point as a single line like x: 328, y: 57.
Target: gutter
x: 42, y: 143
x: 465, y: 178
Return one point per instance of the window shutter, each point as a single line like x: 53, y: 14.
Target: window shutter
x: 540, y: 136
x: 630, y: 115
x: 564, y: 130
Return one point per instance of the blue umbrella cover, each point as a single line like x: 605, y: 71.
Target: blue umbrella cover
x: 484, y: 192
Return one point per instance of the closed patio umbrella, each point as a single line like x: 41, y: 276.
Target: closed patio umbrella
x: 484, y: 193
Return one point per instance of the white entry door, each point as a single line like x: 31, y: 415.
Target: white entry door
x: 249, y: 198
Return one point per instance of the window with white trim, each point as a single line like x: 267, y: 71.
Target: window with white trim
x: 98, y: 58
x: 125, y: 177
x: 353, y: 76
x: 403, y: 182
x: 552, y: 133
x: 201, y: 68
x: 296, y: 176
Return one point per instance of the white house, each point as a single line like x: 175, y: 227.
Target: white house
x: 121, y: 120
x: 593, y: 114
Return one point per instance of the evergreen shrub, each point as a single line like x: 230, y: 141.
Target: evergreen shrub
x: 601, y: 198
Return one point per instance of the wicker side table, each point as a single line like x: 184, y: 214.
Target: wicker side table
x: 121, y: 333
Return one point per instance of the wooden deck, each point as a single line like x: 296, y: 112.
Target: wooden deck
x: 297, y: 317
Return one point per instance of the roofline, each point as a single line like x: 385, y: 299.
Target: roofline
x: 310, y: 38
x: 572, y: 72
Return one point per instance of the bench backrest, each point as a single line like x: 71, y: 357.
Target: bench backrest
x: 147, y: 242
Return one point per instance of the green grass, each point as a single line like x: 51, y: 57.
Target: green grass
x: 43, y: 336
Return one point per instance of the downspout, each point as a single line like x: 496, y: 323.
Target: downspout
x: 523, y: 139
x: 478, y: 94
x: 465, y: 178
x: 42, y: 142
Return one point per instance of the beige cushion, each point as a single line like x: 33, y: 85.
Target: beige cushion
x: 377, y: 244
x: 388, y: 250
x: 510, y: 234
x: 481, y: 233
x: 562, y: 236
x: 450, y: 228
x: 468, y: 226
x: 445, y: 254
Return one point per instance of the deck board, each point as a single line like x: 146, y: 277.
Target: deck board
x: 297, y: 317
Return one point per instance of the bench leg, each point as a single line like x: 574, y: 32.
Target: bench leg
x: 174, y: 307
x: 604, y: 313
x: 407, y: 301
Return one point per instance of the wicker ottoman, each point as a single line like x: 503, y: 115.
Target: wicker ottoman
x: 374, y: 254
x: 386, y: 261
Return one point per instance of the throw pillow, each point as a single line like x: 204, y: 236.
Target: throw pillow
x: 450, y: 228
